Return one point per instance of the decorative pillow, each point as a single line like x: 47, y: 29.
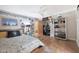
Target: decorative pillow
x: 3, y: 34
x: 13, y: 34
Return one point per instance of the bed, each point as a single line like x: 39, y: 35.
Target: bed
x: 19, y: 44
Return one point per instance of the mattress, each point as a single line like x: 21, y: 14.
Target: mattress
x: 19, y: 44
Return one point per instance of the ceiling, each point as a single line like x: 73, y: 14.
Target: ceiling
x: 26, y: 10
x: 56, y: 9
x: 37, y: 11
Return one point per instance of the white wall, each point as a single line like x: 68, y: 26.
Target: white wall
x: 78, y: 28
x: 71, y: 24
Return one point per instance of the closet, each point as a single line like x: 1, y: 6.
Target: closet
x: 54, y: 27
x: 46, y: 27
x: 60, y: 27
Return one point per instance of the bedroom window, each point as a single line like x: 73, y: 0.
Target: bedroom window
x: 9, y: 22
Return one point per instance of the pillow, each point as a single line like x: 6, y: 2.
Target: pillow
x: 13, y: 34
x: 3, y: 34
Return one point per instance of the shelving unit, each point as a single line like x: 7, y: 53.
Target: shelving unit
x: 57, y: 27
x: 60, y: 27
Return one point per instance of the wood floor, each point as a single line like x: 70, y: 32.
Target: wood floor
x: 57, y: 46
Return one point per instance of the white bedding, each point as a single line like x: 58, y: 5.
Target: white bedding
x: 19, y: 44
